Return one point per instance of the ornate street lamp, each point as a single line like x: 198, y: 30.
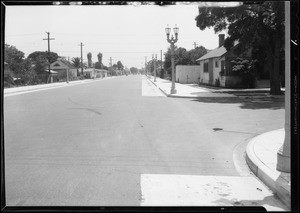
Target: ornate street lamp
x: 172, y: 41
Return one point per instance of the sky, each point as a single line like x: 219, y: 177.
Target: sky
x: 124, y: 33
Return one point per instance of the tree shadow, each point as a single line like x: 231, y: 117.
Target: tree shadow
x: 246, y: 102
x: 267, y: 201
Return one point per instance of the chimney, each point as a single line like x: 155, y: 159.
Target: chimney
x: 221, y: 39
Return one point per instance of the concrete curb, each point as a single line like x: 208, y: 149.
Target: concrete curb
x: 170, y: 95
x: 270, y: 178
x: 237, y: 91
x: 166, y: 94
x: 48, y: 86
x: 231, y: 92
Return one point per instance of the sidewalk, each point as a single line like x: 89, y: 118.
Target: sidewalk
x: 261, y: 153
x: 261, y: 157
x: 183, y: 90
x: 194, y: 90
x: 21, y: 89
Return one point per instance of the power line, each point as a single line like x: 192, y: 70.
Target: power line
x: 25, y: 34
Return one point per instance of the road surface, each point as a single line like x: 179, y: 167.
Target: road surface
x: 121, y: 142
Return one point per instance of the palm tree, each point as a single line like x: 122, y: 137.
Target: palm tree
x: 76, y: 63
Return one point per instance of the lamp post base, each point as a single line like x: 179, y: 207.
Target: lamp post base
x: 173, y: 91
x: 283, y: 162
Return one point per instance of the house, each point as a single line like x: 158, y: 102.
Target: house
x: 95, y: 73
x: 61, y: 66
x: 216, y: 65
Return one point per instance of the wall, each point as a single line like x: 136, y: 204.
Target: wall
x: 231, y: 81
x: 73, y: 72
x: 262, y: 84
x: 187, y: 74
x: 222, y: 81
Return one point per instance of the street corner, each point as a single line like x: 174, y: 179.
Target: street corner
x: 197, y: 190
x: 261, y: 157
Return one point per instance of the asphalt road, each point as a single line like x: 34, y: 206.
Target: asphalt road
x: 89, y: 144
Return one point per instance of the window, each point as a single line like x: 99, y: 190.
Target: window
x: 205, y: 67
x: 216, y: 64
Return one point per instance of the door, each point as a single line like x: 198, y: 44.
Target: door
x: 211, y: 71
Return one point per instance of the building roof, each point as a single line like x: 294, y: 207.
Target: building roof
x: 215, y: 53
x: 61, y: 64
x: 51, y: 71
x: 218, y: 52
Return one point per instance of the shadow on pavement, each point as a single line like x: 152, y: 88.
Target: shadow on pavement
x: 267, y: 201
x: 249, y: 102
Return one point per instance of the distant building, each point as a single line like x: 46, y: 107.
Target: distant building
x: 61, y: 66
x: 95, y: 73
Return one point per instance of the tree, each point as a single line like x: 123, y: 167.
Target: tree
x: 40, y: 65
x: 39, y: 54
x: 195, y: 54
x: 120, y: 65
x: 76, y: 62
x: 8, y: 76
x: 29, y: 75
x: 150, y: 66
x: 14, y: 59
x: 260, y: 24
x: 89, y: 57
x: 134, y: 70
x: 99, y: 64
x: 115, y: 66
x: 167, y: 60
x: 181, y: 57
x: 18, y: 66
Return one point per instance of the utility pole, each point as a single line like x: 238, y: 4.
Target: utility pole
x: 110, y: 63
x: 68, y: 70
x: 152, y: 62
x: 146, y: 65
x: 155, y: 67
x: 195, y: 45
x: 81, y: 57
x: 161, y: 63
x: 49, y: 50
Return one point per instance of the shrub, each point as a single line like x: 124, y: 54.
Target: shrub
x: 246, y: 70
x: 217, y: 82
